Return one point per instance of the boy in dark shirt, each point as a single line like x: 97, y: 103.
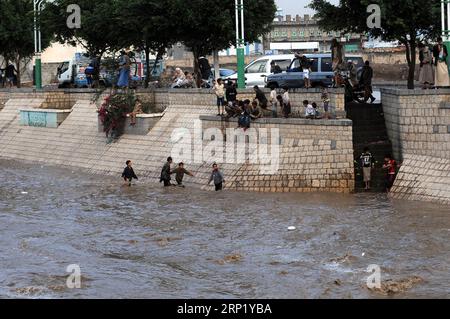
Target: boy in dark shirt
x: 165, y: 173
x: 179, y: 174
x: 231, y: 93
x: 217, y: 177
x: 128, y: 173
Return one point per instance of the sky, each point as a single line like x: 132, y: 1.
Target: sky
x: 294, y: 7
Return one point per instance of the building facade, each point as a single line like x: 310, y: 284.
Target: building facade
x: 303, y: 30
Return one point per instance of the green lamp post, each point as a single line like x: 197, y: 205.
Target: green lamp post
x: 37, y: 44
x: 446, y: 29
x: 240, y: 43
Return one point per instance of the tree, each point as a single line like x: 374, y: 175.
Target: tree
x: 204, y: 27
x: 406, y: 21
x: 17, y: 30
x: 100, y: 30
x: 154, y: 32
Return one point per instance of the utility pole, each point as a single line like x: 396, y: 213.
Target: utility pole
x: 37, y: 44
x: 446, y: 30
x: 240, y: 43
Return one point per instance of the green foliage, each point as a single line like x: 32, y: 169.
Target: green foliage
x: 100, y: 25
x: 17, y: 31
x: 406, y: 21
x: 113, y: 112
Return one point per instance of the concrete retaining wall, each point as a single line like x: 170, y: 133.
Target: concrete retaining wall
x: 418, y: 124
x: 314, y: 155
x: 78, y: 143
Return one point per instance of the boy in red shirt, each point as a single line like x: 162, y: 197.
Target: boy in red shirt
x: 391, y: 166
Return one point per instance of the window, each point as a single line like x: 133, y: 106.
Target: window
x: 64, y: 67
x: 358, y: 61
x: 326, y: 65
x: 225, y: 73
x: 258, y: 67
x: 295, y: 66
x: 314, y: 63
x: 302, y: 34
x: 283, y: 64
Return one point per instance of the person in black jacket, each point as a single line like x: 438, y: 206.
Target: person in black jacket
x: 366, y: 82
x: 165, y: 173
x: 261, y: 97
x: 231, y: 93
x: 128, y: 173
x: 205, y: 68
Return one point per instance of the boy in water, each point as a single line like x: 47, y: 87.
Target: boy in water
x: 217, y: 177
x: 128, y: 173
x: 367, y: 163
x: 165, y: 173
x: 391, y: 166
x: 179, y: 174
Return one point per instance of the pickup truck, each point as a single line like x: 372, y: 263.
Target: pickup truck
x: 321, y: 75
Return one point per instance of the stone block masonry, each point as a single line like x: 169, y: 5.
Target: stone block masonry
x: 314, y: 156
x: 418, y: 126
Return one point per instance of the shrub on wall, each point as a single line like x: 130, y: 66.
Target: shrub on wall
x: 113, y: 112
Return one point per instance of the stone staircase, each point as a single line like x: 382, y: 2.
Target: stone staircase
x: 369, y: 129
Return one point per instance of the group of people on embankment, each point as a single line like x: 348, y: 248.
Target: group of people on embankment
x: 246, y: 110
x: 433, y: 70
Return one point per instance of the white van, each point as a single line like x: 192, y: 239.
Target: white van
x: 257, y: 71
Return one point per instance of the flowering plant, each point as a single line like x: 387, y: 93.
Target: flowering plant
x: 113, y: 112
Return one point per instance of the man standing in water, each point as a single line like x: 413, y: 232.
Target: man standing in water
x: 128, y: 173
x: 165, y: 173
x: 179, y: 174
x: 217, y: 177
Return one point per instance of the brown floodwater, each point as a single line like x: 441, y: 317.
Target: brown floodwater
x: 150, y: 242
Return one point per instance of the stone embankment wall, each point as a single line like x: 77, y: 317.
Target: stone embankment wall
x: 418, y: 124
x: 314, y: 157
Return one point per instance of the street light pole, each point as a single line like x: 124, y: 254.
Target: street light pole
x: 37, y: 44
x: 240, y: 43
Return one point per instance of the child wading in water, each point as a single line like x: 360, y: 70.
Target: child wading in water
x: 165, y: 173
x: 217, y: 177
x: 390, y: 165
x: 179, y: 174
x: 367, y: 163
x: 128, y: 174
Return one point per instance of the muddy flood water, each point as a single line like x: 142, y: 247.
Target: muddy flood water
x: 149, y: 242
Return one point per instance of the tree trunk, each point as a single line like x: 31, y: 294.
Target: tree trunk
x: 198, y: 77
x: 18, y: 71
x: 411, y: 63
x: 216, y: 65
x: 147, y: 66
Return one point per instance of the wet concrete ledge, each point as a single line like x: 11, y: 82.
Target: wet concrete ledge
x: 283, y: 121
x: 407, y: 92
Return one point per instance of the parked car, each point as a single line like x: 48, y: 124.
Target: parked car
x: 321, y: 75
x: 257, y: 71
x: 224, y: 74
